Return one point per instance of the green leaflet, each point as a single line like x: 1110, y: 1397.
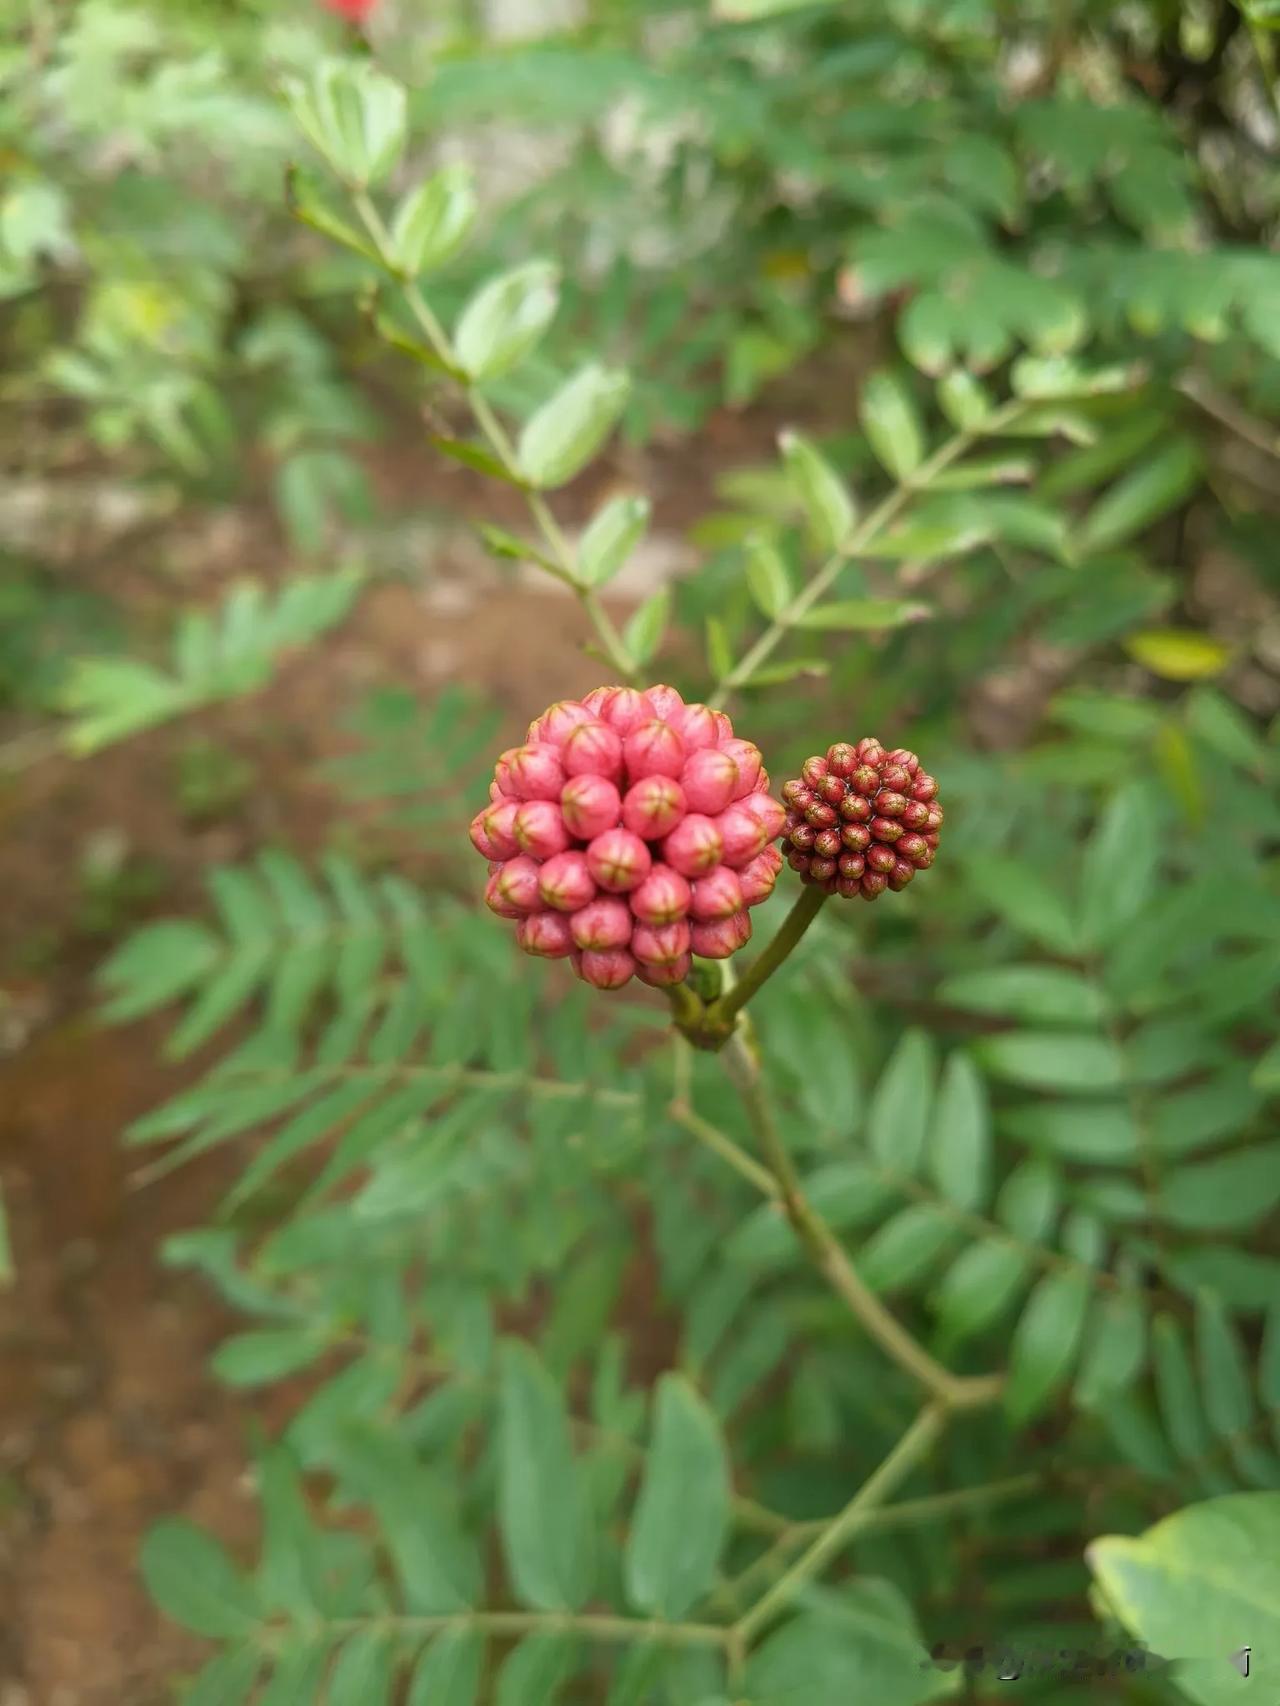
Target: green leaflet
x: 682, y: 1512
x: 542, y: 1506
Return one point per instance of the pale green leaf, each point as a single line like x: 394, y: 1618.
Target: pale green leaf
x: 681, y: 1515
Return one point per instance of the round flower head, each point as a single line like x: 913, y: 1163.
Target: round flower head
x: 630, y: 832
x: 861, y: 820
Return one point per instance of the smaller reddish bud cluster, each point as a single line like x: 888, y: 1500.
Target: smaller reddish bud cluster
x: 861, y: 820
x: 630, y: 832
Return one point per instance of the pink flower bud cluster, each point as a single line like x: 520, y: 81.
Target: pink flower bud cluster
x: 861, y: 820
x: 630, y: 832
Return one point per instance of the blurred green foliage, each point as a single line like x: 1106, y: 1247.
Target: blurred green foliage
x: 1034, y: 1098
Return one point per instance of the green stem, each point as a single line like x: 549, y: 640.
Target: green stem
x: 566, y: 568
x: 902, y: 1515
x: 828, y: 1255
x: 858, y: 540
x: 914, y: 1445
x: 515, y: 1623
x: 793, y: 927
x: 721, y: 1144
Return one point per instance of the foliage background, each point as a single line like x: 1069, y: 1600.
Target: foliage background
x: 1035, y: 1097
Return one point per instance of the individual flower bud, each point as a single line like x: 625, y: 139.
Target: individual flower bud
x: 494, y: 900
x: 746, y: 755
x: 709, y: 780
x: 922, y: 861
x: 593, y: 749
x: 915, y: 814
x: 930, y: 839
x: 856, y: 837
x: 804, y: 836
x: 813, y: 770
x: 798, y: 861
x: 565, y: 882
x: 886, y: 829
x: 880, y: 858
x: 660, y: 944
x: 604, y: 922
x: 742, y: 834
x: 653, y: 807
x: 716, y: 895
x: 502, y: 772
x: 618, y: 860
x: 607, y: 968
x: 768, y: 813
x: 539, y: 828
x: 545, y: 934
x: 557, y: 722
x: 591, y: 804
x: 663, y: 897
x: 895, y: 778
x: 842, y: 760
x: 923, y: 788
x: 853, y: 808
x: 901, y: 875
x: 827, y: 843
x: 850, y: 865
x: 820, y: 869
x: 536, y: 772
x: 911, y: 846
x: 866, y: 780
x: 821, y: 816
x: 517, y: 884
x: 694, y: 845
x: 696, y: 726
x: 795, y: 792
x: 717, y: 941
x: 664, y: 977
x: 934, y: 819
x: 664, y: 700
x: 848, y: 888
x: 653, y: 749
x: 480, y: 841
x: 873, y: 883
x: 757, y: 878
x: 889, y: 804
x: 868, y: 750
x: 596, y: 700
x: 625, y: 709
x: 500, y: 828
x: 907, y: 760
x: 830, y: 790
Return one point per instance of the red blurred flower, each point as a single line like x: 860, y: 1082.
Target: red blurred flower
x: 354, y: 11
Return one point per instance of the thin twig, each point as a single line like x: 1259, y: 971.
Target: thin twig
x: 914, y: 1445
x: 492, y: 429
x: 828, y: 1255
x: 860, y: 537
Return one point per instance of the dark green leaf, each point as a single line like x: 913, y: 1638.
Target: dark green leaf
x: 1046, y: 1340
x: 960, y: 1134
x: 1053, y: 1060
x: 542, y: 1505
x: 681, y: 1515
x: 192, y: 1580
